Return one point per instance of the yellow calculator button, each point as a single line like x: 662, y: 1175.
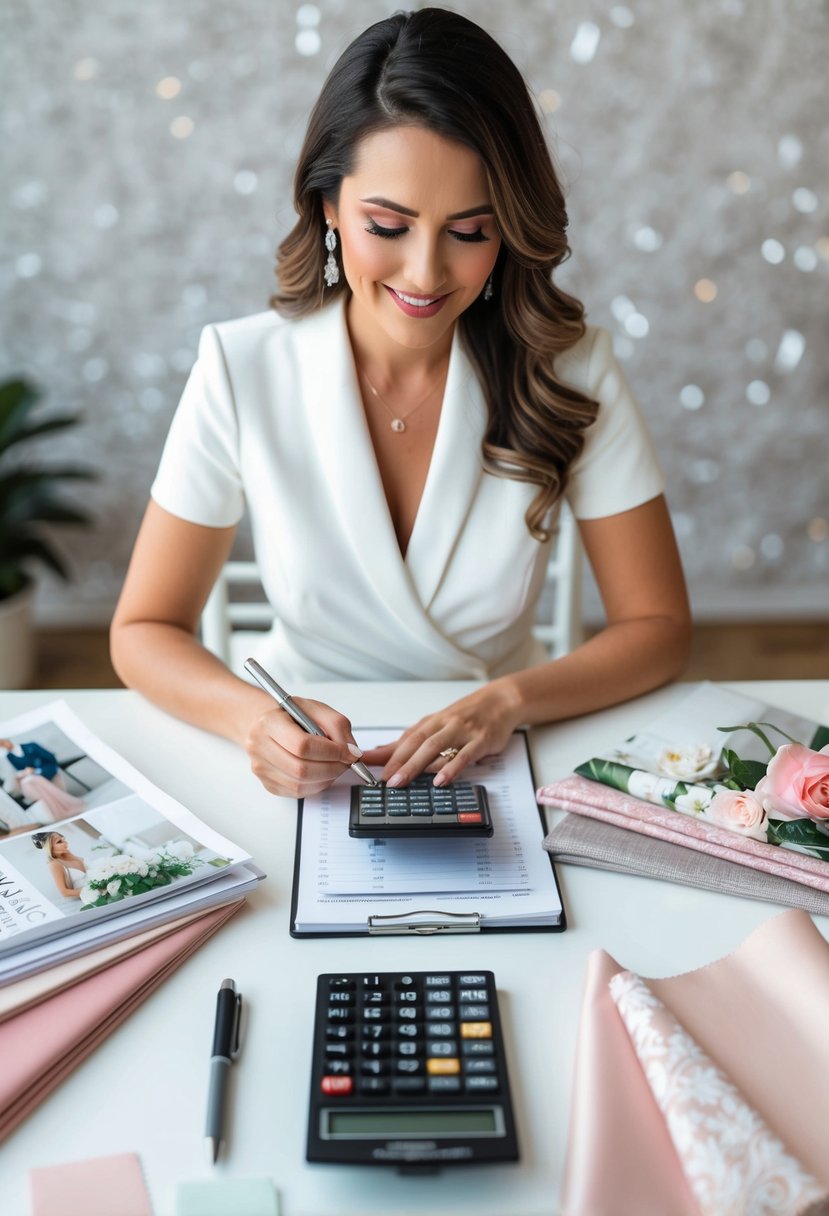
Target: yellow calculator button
x: 442, y: 1067
x: 476, y: 1030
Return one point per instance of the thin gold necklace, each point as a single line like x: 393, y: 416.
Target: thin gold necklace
x: 398, y: 424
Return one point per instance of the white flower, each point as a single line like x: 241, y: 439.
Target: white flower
x: 694, y: 803
x: 89, y: 894
x: 114, y: 887
x: 688, y: 763
x: 102, y: 870
x: 182, y: 850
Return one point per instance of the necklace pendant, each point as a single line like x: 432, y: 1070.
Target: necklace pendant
x: 398, y: 425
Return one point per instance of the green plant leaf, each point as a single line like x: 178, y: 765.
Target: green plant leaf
x: 748, y: 772
x: 754, y: 727
x: 35, y: 547
x: 16, y: 399
x: 608, y: 772
x: 802, y: 833
x: 820, y: 738
x: 29, y: 491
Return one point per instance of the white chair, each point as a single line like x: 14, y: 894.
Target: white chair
x: 228, y: 624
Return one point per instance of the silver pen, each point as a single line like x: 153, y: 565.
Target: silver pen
x: 225, y: 1050
x: 282, y: 697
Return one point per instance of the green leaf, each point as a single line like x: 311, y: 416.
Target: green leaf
x: 802, y: 833
x: 748, y: 772
x: 820, y: 738
x: 754, y: 727
x: 608, y: 772
x: 29, y: 494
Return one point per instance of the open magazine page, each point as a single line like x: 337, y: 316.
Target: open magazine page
x: 84, y: 836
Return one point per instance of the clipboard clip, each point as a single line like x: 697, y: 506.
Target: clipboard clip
x: 425, y: 923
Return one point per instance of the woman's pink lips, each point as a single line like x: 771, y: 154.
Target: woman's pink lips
x: 412, y: 310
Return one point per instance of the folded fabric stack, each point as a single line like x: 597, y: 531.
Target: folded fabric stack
x: 675, y: 802
x: 50, y: 1022
x: 612, y: 831
x: 704, y: 1094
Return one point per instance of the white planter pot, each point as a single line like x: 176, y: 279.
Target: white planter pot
x: 16, y: 641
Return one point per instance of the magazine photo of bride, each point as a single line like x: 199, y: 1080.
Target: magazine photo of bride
x: 123, y: 850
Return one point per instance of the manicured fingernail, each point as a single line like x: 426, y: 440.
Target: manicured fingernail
x: 440, y: 779
x: 355, y: 750
x: 394, y: 781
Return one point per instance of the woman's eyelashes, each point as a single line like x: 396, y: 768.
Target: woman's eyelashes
x: 391, y: 233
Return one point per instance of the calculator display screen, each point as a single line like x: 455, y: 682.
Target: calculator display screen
x: 410, y: 1122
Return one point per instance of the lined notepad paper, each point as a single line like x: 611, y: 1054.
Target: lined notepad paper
x: 506, y: 879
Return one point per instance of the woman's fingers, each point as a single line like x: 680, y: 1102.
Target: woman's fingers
x: 291, y: 762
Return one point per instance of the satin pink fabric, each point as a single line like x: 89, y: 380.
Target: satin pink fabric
x: 760, y: 1013
x: 620, y: 1159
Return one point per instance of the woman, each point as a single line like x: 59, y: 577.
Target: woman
x: 48, y: 795
x: 67, y: 869
x: 402, y: 428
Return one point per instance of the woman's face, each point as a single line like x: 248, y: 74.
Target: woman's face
x: 59, y: 845
x: 417, y: 236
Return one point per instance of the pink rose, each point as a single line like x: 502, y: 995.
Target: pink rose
x: 796, y: 783
x: 738, y: 810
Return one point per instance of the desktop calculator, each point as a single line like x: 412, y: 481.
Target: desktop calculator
x: 420, y: 810
x: 409, y: 1070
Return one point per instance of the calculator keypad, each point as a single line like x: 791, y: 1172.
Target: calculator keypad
x: 421, y: 809
x: 409, y: 1034
x: 409, y: 1070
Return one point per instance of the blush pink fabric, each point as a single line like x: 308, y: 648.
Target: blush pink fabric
x: 42, y: 1045
x: 620, y: 1159
x: 760, y: 1014
x: 583, y: 797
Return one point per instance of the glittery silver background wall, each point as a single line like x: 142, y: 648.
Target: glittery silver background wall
x: 147, y: 155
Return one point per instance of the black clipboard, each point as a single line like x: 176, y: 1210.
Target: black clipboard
x: 434, y: 920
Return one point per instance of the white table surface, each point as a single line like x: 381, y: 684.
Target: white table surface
x: 144, y: 1089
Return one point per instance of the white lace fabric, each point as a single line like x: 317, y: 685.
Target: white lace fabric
x: 735, y: 1165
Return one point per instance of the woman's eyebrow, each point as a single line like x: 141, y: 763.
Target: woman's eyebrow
x: 486, y: 209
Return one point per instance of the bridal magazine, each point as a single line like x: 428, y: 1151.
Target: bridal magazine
x: 90, y: 850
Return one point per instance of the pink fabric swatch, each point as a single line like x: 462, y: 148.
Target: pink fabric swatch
x: 102, y: 1186
x: 42, y: 1045
x: 733, y: 1161
x: 583, y: 797
x: 760, y: 1014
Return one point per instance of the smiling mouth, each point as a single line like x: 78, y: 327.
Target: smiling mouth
x: 416, y: 301
x: 420, y: 307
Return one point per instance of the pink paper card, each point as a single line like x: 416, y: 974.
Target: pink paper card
x: 101, y: 1186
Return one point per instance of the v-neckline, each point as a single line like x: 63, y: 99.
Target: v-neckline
x: 345, y: 448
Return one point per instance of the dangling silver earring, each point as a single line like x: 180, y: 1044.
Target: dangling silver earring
x: 331, y: 270
x: 488, y: 289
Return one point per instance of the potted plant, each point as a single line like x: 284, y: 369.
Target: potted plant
x: 29, y: 499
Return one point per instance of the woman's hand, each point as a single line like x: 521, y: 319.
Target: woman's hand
x: 289, y: 761
x: 478, y: 725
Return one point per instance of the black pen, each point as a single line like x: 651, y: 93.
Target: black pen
x: 225, y: 1050
x: 290, y: 706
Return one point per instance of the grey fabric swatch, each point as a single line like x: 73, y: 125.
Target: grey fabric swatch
x: 581, y: 841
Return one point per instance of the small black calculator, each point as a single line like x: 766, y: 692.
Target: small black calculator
x: 409, y: 1070
x: 420, y: 810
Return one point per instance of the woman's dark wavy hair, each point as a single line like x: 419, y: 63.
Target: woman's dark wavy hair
x: 438, y: 70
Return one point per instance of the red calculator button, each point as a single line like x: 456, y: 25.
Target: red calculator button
x: 337, y: 1085
x: 470, y: 817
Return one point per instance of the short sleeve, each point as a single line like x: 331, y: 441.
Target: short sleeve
x: 198, y: 478
x: 617, y: 468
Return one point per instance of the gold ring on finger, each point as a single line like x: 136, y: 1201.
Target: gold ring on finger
x: 449, y: 753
